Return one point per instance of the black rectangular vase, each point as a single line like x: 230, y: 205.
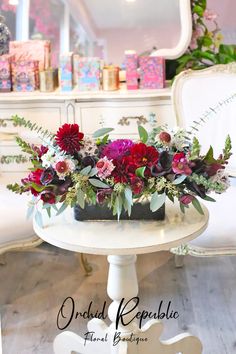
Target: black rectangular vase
x: 140, y: 211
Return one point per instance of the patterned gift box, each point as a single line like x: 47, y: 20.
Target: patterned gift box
x: 24, y: 75
x: 5, y: 73
x: 152, y: 72
x: 36, y: 50
x: 87, y: 73
x: 66, y: 72
x: 131, y: 65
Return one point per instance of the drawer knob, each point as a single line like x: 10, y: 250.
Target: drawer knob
x: 126, y: 120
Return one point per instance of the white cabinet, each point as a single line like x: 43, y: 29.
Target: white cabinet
x: 121, y: 110
x: 124, y: 116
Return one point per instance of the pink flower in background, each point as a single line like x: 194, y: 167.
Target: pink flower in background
x: 198, y: 32
x: 210, y: 15
x: 104, y: 167
x: 180, y: 164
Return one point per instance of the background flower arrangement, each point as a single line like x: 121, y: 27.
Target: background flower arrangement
x: 206, y: 48
x: 70, y: 169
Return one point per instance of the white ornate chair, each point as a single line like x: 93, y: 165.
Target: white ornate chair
x: 208, y: 97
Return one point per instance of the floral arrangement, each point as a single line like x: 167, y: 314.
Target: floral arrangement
x: 206, y: 48
x: 70, y: 169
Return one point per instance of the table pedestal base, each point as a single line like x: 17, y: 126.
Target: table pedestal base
x: 128, y: 338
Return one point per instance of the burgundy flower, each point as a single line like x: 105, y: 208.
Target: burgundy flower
x: 180, y: 164
x: 102, y: 195
x: 143, y: 155
x: 48, y: 197
x: 137, y: 185
x: 165, y: 137
x: 212, y: 169
x: 69, y: 138
x: 33, y: 177
x: 117, y: 149
x: 186, y: 199
x: 47, y: 176
x: 40, y: 150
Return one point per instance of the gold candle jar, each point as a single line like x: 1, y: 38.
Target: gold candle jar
x: 47, y: 80
x: 110, y: 78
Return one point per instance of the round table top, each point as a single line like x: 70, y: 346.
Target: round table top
x: 123, y: 237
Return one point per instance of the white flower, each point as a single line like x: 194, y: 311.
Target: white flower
x: 222, y: 178
x: 48, y: 159
x: 179, y: 139
x: 63, y: 166
x: 89, y: 147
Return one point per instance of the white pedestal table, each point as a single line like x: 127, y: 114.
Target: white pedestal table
x: 122, y: 242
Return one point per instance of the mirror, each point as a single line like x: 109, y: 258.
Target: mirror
x: 141, y: 25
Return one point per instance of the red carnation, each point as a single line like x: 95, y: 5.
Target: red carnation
x: 69, y: 138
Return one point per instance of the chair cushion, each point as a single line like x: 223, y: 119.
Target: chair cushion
x: 221, y: 231
x: 14, y: 227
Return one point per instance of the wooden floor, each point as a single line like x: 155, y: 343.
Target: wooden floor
x: 34, y: 284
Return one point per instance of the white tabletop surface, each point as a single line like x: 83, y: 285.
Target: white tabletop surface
x: 124, y: 237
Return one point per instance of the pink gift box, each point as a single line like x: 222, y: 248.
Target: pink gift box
x: 5, y: 73
x: 36, y: 50
x: 87, y: 73
x: 66, y: 76
x: 24, y: 76
x: 131, y: 64
x: 152, y: 72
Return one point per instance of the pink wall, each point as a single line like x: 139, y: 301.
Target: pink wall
x: 139, y: 39
x: 226, y: 9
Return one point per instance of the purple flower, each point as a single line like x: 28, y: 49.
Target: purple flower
x: 117, y: 149
x: 102, y: 194
x: 47, y: 176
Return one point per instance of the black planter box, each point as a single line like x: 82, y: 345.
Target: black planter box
x: 97, y: 212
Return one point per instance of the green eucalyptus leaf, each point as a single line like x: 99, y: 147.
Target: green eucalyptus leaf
x: 48, y: 212
x: 39, y: 219
x: 143, y: 134
x: 179, y: 180
x: 85, y: 171
x: 209, y: 199
x: 102, y: 132
x: 93, y: 172
x: 157, y: 201
x: 62, y: 208
x: 182, y: 207
x: 197, y: 206
x: 97, y: 183
x: 129, y: 195
x: 81, y: 198
x: 30, y: 212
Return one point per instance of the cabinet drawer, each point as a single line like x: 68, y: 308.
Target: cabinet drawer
x: 125, y: 117
x: 48, y: 116
x: 12, y: 159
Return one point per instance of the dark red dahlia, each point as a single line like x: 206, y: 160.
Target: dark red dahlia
x: 143, y: 155
x: 69, y: 138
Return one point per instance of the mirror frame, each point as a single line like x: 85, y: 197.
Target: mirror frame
x: 185, y: 36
